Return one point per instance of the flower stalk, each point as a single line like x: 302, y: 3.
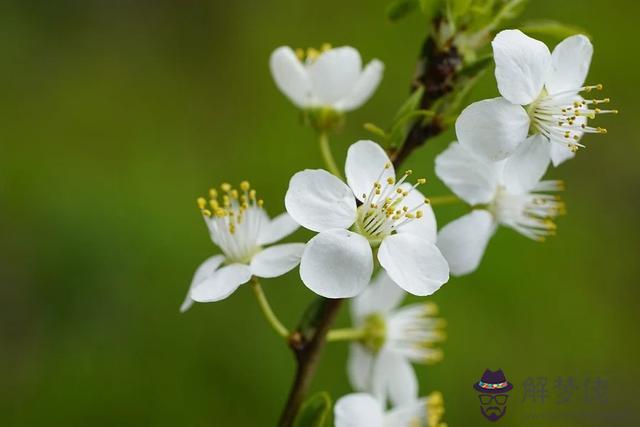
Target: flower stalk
x: 327, y: 155
x: 444, y: 200
x: 266, y: 309
x: 345, y: 334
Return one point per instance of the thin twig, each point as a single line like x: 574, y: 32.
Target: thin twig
x: 307, y: 353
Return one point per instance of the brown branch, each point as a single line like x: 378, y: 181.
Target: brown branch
x: 307, y: 351
x: 436, y: 72
x: 437, y: 67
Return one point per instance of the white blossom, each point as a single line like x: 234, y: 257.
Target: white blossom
x: 394, y: 337
x: 508, y: 193
x: 540, y: 96
x: 241, y: 228
x: 332, y: 78
x: 364, y: 410
x: 393, y: 217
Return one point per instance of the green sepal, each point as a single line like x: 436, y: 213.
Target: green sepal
x: 324, y: 119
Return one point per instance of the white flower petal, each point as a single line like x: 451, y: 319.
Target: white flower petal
x: 524, y: 168
x: 381, y: 296
x: 365, y: 165
x: 290, y: 76
x: 560, y: 153
x: 492, y: 129
x: 222, y: 284
x: 337, y: 264
x: 360, y: 368
x: 426, y: 226
x: 277, y: 229
x: 472, y: 179
x: 319, y: 201
x: 415, y: 264
x: 570, y: 62
x: 522, y: 66
x: 464, y: 241
x: 409, y: 414
x: 365, y: 87
x: 358, y: 410
x: 398, y: 377
x: 277, y: 260
x: 206, y: 269
x: 334, y: 74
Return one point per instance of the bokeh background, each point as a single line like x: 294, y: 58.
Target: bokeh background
x: 117, y: 115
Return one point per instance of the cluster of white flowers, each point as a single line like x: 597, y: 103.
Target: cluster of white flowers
x: 378, y: 217
x: 505, y: 145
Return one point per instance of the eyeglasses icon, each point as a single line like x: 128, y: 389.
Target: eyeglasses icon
x: 499, y: 399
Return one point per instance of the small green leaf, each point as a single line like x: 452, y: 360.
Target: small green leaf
x: 376, y: 131
x: 315, y: 411
x: 398, y: 9
x: 477, y: 66
x: 550, y: 28
x: 410, y: 104
x: 402, y: 126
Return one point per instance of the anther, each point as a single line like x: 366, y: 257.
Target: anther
x: 202, y: 202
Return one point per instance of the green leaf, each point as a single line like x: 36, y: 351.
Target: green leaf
x: 410, y: 104
x: 476, y: 67
x: 404, y: 118
x: 551, y: 28
x: 398, y: 9
x: 402, y: 126
x: 315, y: 411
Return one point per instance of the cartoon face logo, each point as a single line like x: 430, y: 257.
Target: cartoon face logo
x: 492, y: 391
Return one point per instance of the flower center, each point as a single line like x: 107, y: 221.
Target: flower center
x: 375, y: 331
x: 414, y: 332
x: 234, y: 218
x: 384, y: 209
x: 562, y: 117
x: 310, y: 55
x: 530, y: 214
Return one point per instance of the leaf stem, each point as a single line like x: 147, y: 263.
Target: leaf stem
x: 271, y: 317
x: 327, y: 155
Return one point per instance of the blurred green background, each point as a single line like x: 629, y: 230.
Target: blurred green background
x: 117, y: 115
